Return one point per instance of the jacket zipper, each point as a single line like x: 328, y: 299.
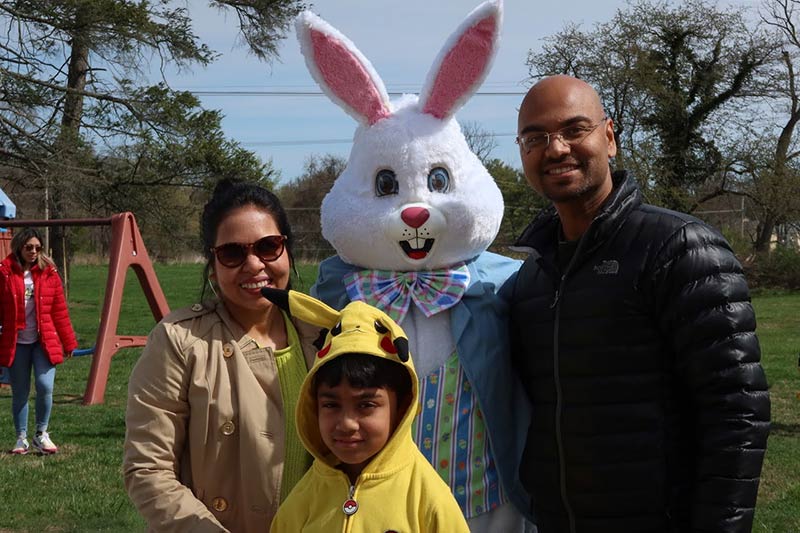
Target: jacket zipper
x: 348, y: 524
x: 562, y: 467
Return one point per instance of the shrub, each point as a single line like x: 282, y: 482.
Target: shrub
x: 778, y: 269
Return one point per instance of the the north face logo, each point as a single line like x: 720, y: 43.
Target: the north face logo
x: 609, y: 266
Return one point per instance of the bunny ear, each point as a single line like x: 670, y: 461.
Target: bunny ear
x: 340, y: 69
x: 463, y: 62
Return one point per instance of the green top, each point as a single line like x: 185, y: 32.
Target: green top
x: 291, y: 371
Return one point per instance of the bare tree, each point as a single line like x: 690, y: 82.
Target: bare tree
x: 303, y: 199
x: 481, y: 142
x: 776, y: 179
x: 665, y: 72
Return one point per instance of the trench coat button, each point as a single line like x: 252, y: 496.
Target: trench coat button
x: 197, y: 307
x: 227, y: 349
x: 219, y: 504
x: 228, y: 428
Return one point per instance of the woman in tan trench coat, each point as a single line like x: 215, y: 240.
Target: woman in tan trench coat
x: 210, y: 443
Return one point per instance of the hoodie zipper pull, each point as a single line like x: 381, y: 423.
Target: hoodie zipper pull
x: 555, y: 299
x: 558, y: 291
x: 350, y: 506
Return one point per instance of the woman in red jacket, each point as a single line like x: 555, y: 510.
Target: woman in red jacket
x: 35, y: 333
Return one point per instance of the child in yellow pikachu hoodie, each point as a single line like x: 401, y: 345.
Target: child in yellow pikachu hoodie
x: 394, y: 490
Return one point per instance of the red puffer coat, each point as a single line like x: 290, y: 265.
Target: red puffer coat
x: 55, y: 329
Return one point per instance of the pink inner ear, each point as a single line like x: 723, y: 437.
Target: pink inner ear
x: 461, y: 68
x: 346, y: 77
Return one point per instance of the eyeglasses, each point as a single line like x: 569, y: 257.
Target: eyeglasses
x: 570, y: 135
x: 33, y: 248
x: 267, y: 249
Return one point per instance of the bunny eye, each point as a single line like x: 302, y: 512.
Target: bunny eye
x: 386, y: 183
x: 439, y: 180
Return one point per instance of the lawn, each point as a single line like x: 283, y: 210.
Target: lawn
x: 80, y: 488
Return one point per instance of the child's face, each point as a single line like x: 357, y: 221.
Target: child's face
x: 355, y: 424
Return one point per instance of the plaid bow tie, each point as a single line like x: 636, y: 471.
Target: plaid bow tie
x: 392, y: 291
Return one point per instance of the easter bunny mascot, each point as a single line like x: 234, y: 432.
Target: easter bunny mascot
x: 411, y: 217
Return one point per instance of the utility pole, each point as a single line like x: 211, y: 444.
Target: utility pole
x: 46, y: 243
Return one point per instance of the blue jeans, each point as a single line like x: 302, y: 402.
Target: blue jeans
x: 26, y: 357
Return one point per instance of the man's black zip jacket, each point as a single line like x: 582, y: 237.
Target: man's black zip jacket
x: 650, y: 406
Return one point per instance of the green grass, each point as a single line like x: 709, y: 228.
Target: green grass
x: 80, y: 489
x: 778, y: 507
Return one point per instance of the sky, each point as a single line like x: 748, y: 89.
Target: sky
x: 401, y: 38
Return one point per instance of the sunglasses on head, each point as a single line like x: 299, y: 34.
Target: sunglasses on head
x: 267, y: 249
x: 33, y: 247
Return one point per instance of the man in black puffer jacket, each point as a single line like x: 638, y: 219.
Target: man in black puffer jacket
x: 634, y: 335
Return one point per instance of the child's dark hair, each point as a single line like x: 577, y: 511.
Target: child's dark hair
x: 364, y: 371
x: 229, y: 195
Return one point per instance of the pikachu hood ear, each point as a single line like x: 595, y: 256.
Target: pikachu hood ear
x: 358, y: 328
x: 304, y: 307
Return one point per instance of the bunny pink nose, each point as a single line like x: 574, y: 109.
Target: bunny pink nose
x: 415, y: 216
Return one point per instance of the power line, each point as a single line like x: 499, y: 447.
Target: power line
x: 320, y: 93
x: 316, y: 93
x: 296, y: 143
x: 334, y: 141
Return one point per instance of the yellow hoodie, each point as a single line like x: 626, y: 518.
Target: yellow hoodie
x: 398, y: 491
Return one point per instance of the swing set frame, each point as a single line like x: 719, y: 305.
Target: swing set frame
x: 127, y: 250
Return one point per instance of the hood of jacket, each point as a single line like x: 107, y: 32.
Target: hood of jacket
x: 357, y: 328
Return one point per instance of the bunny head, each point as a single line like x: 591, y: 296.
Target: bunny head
x: 413, y: 196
